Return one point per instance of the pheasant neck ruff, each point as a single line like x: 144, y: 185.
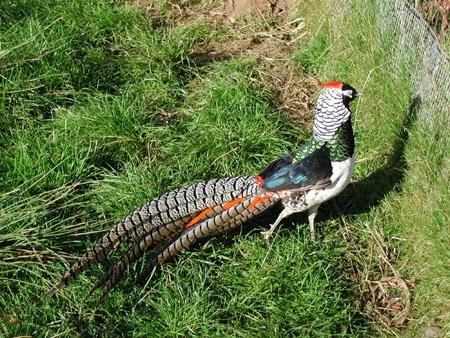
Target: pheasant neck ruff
x: 331, y: 114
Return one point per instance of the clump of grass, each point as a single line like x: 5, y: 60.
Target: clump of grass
x: 424, y: 222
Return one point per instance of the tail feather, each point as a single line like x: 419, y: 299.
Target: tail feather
x: 227, y: 220
x: 214, y: 225
x: 157, y: 235
x: 170, y: 208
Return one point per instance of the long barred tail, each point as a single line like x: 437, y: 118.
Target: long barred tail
x: 218, y: 219
x: 199, y: 210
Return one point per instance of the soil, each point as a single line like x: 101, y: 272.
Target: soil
x: 257, y: 7
x: 267, y: 31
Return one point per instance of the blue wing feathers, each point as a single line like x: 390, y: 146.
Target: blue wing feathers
x: 289, y: 172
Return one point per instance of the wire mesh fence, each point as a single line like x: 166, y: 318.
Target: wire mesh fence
x: 413, y: 44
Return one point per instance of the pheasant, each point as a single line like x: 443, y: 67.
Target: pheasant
x: 301, y: 180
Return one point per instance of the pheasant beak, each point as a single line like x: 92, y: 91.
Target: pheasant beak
x: 357, y: 93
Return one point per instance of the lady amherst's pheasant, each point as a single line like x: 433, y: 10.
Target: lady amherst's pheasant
x: 301, y: 180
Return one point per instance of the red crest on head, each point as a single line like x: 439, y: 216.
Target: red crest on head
x: 332, y: 84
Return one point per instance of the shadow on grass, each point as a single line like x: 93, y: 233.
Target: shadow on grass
x: 362, y: 196
x: 359, y: 197
x: 370, y: 191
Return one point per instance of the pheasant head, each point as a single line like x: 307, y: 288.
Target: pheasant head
x: 332, y: 109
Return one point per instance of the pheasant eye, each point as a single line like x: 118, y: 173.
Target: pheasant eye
x: 348, y: 93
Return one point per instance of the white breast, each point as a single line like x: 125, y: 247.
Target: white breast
x: 342, y: 174
x: 298, y: 201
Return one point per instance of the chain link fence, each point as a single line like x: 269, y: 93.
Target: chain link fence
x: 413, y: 44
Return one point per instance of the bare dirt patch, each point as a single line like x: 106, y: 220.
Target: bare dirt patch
x: 263, y: 8
x: 266, y: 31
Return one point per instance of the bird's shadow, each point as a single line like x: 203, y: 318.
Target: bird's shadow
x: 362, y: 196
x: 369, y: 192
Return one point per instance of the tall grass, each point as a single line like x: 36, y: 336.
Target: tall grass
x: 402, y: 166
x: 102, y: 109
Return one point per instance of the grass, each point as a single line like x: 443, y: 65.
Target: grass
x: 401, y: 169
x: 103, y: 108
